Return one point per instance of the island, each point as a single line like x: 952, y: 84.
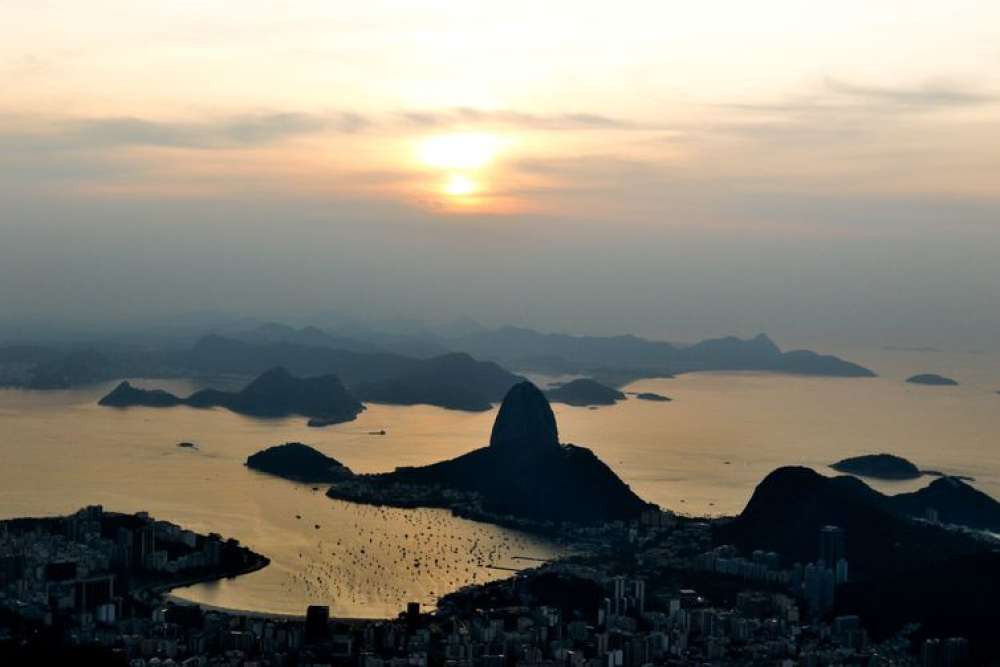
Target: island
x: 525, y: 477
x: 300, y: 463
x: 584, y: 392
x: 931, y: 379
x: 652, y: 396
x: 275, y: 393
x: 125, y: 395
x: 878, y: 466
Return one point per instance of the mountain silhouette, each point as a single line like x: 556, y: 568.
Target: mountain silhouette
x: 298, y: 462
x: 790, y: 506
x: 524, y: 472
x: 274, y: 393
x: 584, y: 391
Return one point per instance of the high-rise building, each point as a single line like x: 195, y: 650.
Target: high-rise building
x: 412, y: 616
x: 840, y: 572
x: 317, y: 623
x: 144, y: 544
x: 831, y: 546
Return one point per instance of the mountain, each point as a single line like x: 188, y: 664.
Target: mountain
x: 790, y: 506
x: 125, y: 395
x: 931, y: 379
x: 878, y: 466
x: 454, y: 381
x: 272, y: 332
x: 946, y: 598
x: 298, y: 462
x: 584, y: 391
x: 275, y: 393
x: 954, y: 502
x: 731, y: 353
x: 219, y: 355
x: 508, y: 345
x: 357, y: 354
x: 84, y: 366
x: 629, y: 357
x: 524, y: 473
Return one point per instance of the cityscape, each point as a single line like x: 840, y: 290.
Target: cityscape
x: 479, y: 333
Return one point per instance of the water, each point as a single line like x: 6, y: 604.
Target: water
x: 703, y: 453
x: 60, y: 451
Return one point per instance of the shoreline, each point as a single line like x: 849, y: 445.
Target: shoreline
x: 273, y: 615
x: 164, y: 589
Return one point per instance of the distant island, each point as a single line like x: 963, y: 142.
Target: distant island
x: 300, y: 463
x: 878, y: 466
x: 275, y: 393
x: 888, y: 466
x: 932, y: 379
x: 652, y: 396
x: 584, y: 392
x: 525, y: 476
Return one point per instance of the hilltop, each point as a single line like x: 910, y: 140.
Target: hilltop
x: 524, y: 473
x: 791, y: 504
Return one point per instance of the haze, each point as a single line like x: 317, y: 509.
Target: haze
x: 823, y: 173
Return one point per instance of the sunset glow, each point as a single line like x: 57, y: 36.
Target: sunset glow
x: 459, y: 151
x: 460, y: 185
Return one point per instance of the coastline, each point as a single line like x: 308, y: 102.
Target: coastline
x: 260, y: 562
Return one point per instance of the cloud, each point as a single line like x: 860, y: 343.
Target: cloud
x: 845, y: 98
x: 233, y: 131
x: 930, y: 94
x: 517, y: 119
x: 256, y: 129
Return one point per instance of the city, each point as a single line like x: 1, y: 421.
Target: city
x: 651, y: 591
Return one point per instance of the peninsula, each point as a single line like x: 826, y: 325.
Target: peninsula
x: 525, y: 476
x: 275, y: 393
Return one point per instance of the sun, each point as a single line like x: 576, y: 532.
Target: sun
x: 460, y: 185
x: 459, y: 151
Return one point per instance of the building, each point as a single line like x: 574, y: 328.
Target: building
x: 831, y: 546
x: 317, y: 623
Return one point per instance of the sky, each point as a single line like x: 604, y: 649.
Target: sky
x: 819, y: 171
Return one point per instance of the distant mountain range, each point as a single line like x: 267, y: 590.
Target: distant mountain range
x: 466, y: 370
x: 524, y: 473
x: 612, y: 359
